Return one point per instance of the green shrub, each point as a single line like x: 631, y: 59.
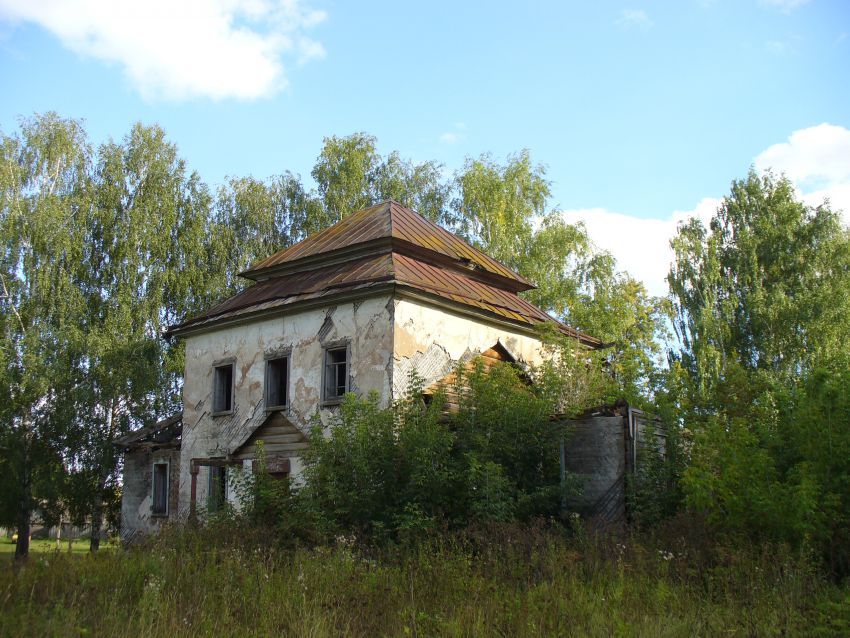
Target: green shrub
x: 402, y: 473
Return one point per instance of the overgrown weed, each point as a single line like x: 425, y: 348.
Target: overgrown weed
x: 494, y: 579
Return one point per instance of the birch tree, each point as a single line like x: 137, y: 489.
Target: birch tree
x: 144, y: 259
x: 46, y: 199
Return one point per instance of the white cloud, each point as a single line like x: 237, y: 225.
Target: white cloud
x: 636, y: 18
x: 815, y: 159
x: 785, y: 6
x: 641, y: 246
x: 179, y: 49
x: 452, y: 137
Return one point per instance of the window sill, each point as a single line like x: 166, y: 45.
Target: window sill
x: 329, y: 403
x: 277, y: 408
x: 159, y: 515
x: 225, y: 413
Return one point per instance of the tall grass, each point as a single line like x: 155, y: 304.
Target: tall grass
x: 502, y: 581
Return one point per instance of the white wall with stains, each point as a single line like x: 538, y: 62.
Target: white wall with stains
x: 432, y: 340
x: 388, y: 338
x: 366, y: 324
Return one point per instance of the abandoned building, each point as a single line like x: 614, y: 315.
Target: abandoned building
x: 353, y: 308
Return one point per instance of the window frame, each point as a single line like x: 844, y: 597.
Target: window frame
x: 326, y: 350
x: 216, y: 366
x: 167, y: 465
x: 269, y: 358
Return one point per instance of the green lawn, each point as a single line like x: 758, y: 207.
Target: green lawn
x: 7, y: 547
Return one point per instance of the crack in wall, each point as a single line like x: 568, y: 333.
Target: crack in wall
x: 430, y: 365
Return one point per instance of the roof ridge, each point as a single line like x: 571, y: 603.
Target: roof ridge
x: 507, y: 272
x: 387, y: 221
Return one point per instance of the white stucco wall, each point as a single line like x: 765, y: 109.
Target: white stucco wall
x: 388, y: 337
x: 367, y: 324
x: 432, y: 340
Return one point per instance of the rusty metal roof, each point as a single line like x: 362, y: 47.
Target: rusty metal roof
x: 404, y: 228
x: 296, y: 286
x: 460, y: 288
x: 363, y: 273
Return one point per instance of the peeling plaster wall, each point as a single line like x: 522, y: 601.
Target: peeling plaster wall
x: 366, y: 324
x: 137, y: 491
x: 432, y: 340
x: 388, y: 338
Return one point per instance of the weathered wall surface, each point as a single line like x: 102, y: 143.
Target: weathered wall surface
x: 596, y: 454
x: 137, y: 491
x: 367, y: 324
x: 432, y: 340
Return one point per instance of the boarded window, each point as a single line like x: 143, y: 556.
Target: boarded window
x: 217, y: 496
x: 336, y: 373
x: 223, y: 388
x: 277, y: 382
x: 160, y: 489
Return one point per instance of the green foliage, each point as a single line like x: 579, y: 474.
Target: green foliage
x: 104, y: 247
x: 351, y: 174
x: 380, y: 470
x: 511, y: 448
x: 503, y: 210
x: 498, y: 204
x: 400, y: 472
x: 573, y: 378
x: 762, y: 300
x: 654, y: 490
x: 42, y: 309
x: 352, y: 473
x: 765, y: 286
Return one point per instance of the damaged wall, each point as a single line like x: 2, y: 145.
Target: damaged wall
x: 366, y: 324
x: 137, y: 491
x: 388, y: 338
x: 432, y: 340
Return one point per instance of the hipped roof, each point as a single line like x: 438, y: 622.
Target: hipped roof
x: 383, y: 247
x: 387, y: 223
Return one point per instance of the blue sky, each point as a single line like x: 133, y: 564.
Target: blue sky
x: 643, y: 112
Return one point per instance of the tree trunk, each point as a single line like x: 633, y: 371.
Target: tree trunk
x: 107, y: 462
x: 96, y: 520
x: 97, y: 510
x: 22, y: 548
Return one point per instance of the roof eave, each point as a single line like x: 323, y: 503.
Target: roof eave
x: 216, y: 323
x: 529, y: 328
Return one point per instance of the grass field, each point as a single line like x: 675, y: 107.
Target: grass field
x: 512, y: 584
x: 78, y: 547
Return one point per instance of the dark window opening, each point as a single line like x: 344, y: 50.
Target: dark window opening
x: 218, y: 488
x: 336, y: 373
x: 160, y: 489
x: 277, y: 382
x: 223, y: 389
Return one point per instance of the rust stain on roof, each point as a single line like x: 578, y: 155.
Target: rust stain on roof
x: 297, y: 287
x: 388, y: 220
x: 369, y: 271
